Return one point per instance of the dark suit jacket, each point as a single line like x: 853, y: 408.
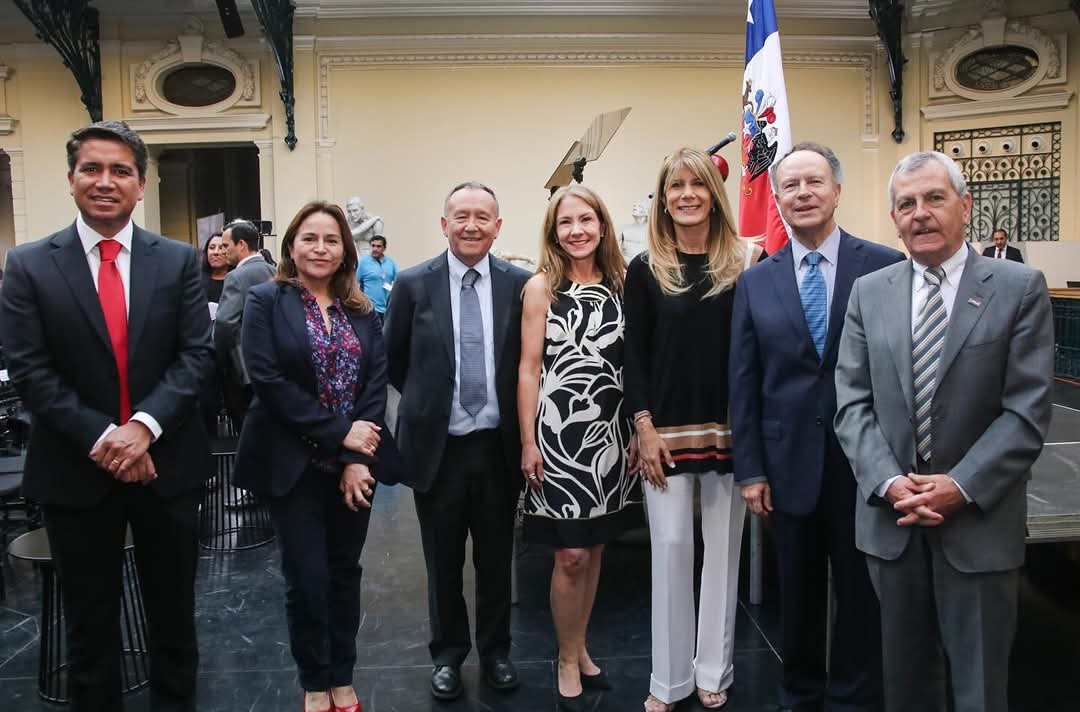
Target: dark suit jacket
x: 990, y: 411
x: 1011, y: 253
x: 286, y: 425
x: 60, y: 357
x: 783, y: 397
x: 420, y: 351
x: 231, y: 310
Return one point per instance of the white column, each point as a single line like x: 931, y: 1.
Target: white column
x: 266, y: 189
x: 324, y: 168
x: 148, y: 212
x: 18, y: 193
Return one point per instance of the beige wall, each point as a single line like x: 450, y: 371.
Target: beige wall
x: 375, y: 121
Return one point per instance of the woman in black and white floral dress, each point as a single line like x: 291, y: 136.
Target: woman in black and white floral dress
x: 577, y: 443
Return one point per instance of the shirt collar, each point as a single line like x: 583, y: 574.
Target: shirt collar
x: 459, y: 268
x: 89, y: 237
x: 248, y: 258
x: 954, y: 266
x: 829, y: 250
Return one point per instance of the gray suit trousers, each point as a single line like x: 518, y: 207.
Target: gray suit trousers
x: 931, y: 612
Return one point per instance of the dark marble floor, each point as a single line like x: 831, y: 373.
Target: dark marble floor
x: 246, y: 663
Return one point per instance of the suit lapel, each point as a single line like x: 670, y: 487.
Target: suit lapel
x: 143, y: 275
x: 437, y: 283
x: 787, y: 292
x: 850, y: 260
x: 897, y: 318
x: 972, y: 296
x: 70, y: 260
x: 501, y: 299
x: 292, y: 308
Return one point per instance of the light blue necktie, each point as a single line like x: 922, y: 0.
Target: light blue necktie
x: 473, y: 367
x: 814, y: 301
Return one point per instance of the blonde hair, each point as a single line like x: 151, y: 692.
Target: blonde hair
x: 554, y: 262
x: 726, y: 251
x: 343, y: 284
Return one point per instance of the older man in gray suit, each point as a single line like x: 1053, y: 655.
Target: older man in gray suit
x: 943, y: 401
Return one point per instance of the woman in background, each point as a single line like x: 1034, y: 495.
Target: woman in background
x: 214, y: 268
x: 312, y: 441
x: 575, y: 433
x: 679, y: 297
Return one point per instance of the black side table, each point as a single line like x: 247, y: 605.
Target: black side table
x: 52, y: 660
x: 231, y: 519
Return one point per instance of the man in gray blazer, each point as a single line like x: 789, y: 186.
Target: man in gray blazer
x: 242, y: 242
x: 943, y: 400
x: 453, y: 341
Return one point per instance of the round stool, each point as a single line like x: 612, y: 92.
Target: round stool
x: 231, y: 519
x: 52, y: 659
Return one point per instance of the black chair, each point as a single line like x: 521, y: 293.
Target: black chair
x: 52, y: 658
x: 231, y: 519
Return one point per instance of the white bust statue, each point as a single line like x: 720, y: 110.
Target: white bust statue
x: 363, y: 226
x: 635, y: 238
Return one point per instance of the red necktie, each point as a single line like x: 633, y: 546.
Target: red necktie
x: 111, y: 294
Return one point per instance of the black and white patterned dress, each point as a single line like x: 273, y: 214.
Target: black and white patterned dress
x: 582, y: 431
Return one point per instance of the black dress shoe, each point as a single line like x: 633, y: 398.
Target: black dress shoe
x: 599, y: 681
x: 446, y: 682
x: 500, y: 673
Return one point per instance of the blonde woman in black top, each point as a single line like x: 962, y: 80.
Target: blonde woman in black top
x: 679, y: 298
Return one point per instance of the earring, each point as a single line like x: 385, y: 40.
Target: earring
x: 665, y: 210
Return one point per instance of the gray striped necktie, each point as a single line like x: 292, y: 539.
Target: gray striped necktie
x: 926, y: 345
x: 473, y: 368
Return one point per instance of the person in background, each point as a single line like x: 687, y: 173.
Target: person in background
x: 679, y: 297
x: 575, y: 434
x: 268, y: 256
x: 943, y: 389
x: 377, y: 273
x: 312, y: 443
x: 215, y: 265
x: 1001, y: 249
x: 242, y: 243
x: 785, y: 330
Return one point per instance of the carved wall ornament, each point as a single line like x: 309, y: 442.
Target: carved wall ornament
x: 188, y: 49
x: 997, y: 32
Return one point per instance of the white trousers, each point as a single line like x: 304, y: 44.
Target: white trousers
x: 676, y: 671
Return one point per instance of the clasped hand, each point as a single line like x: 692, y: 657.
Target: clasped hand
x: 363, y: 437
x: 123, y: 453
x: 357, y: 484
x: 925, y: 500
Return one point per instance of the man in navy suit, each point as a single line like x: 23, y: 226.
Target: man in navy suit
x: 107, y: 339
x: 1001, y: 249
x: 453, y: 342
x: 788, y: 314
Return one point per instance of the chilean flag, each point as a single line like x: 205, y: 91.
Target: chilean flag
x: 766, y: 132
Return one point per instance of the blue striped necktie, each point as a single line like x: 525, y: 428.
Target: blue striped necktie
x: 814, y: 301
x: 926, y: 344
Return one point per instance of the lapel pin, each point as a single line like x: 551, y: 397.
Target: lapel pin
x: 974, y: 302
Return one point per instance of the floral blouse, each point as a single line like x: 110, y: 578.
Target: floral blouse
x: 336, y: 355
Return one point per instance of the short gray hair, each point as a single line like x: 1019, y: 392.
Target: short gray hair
x: 915, y: 161
x: 470, y: 185
x: 821, y: 150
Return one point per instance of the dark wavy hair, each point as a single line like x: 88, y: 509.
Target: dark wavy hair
x: 343, y: 284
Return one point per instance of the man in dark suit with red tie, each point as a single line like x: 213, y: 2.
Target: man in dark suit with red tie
x: 107, y: 337
x: 1001, y: 249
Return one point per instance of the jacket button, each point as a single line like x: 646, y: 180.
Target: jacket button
x: 818, y: 421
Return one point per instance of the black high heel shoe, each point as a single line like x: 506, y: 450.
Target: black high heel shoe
x: 599, y: 681
x: 571, y: 704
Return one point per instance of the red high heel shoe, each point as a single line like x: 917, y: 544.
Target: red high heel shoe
x: 334, y: 707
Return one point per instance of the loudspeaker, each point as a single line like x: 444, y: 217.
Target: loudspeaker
x: 265, y: 227
x: 230, y: 18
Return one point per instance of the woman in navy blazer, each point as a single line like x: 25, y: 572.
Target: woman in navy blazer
x: 312, y: 441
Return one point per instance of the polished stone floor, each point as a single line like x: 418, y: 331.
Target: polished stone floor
x: 246, y: 664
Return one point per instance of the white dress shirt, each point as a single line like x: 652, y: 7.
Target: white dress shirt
x: 461, y: 423
x: 830, y: 252
x: 90, y: 239
x: 246, y: 259
x: 920, y: 288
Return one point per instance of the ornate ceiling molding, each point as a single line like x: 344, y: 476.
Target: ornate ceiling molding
x: 1028, y: 103
x: 215, y: 122
x: 583, y: 50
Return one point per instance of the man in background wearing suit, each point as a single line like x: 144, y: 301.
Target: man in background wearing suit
x: 453, y: 340
x: 242, y: 242
x: 943, y: 400
x: 785, y: 329
x: 107, y: 337
x: 1001, y: 249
